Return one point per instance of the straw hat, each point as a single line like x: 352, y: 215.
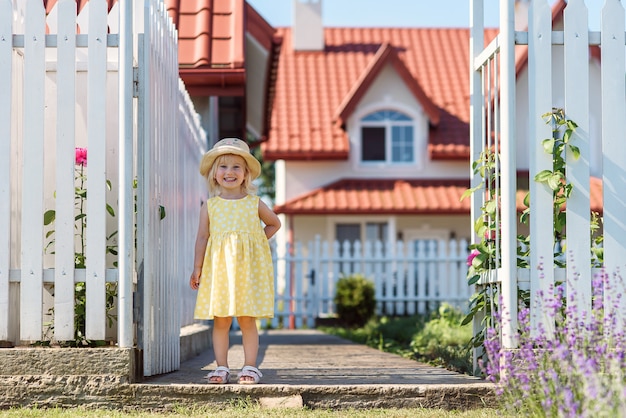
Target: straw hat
x: 233, y: 146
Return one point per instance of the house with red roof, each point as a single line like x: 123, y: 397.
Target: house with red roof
x: 370, y: 130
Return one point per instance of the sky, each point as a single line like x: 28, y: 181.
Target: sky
x: 391, y: 13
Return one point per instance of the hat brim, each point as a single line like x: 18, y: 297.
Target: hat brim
x: 254, y: 166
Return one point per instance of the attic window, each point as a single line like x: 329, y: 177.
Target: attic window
x: 387, y: 136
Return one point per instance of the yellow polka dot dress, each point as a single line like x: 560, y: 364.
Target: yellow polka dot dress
x: 237, y: 275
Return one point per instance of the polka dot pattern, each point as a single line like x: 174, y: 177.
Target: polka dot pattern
x: 237, y: 275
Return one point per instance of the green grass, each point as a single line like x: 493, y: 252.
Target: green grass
x: 237, y: 411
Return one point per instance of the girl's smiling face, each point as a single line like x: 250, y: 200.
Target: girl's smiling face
x: 231, y: 172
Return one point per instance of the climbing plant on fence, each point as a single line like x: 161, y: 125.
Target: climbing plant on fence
x: 482, y: 259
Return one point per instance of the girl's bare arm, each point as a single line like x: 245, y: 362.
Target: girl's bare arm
x: 269, y: 218
x: 200, y: 247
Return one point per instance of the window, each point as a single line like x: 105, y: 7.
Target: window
x: 348, y: 232
x: 376, y: 232
x: 387, y: 136
x: 351, y: 232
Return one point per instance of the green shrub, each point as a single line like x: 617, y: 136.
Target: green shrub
x: 355, y: 300
x: 444, y: 341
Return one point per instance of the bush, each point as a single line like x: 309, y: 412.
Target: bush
x: 355, y: 300
x: 444, y: 341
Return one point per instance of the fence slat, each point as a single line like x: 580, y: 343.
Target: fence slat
x: 64, y: 203
x: 541, y: 227
x: 421, y: 276
x: 411, y: 284
x: 576, y: 38
x: 399, y: 277
x: 95, y: 323
x: 614, y: 155
x: 31, y: 294
x: 6, y: 77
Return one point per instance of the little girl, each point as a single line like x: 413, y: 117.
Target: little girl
x: 233, y: 270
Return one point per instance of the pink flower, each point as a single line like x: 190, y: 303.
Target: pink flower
x: 471, y: 256
x: 81, y: 156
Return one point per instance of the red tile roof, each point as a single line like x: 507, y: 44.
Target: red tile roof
x: 211, y: 47
x: 399, y: 197
x: 314, y: 87
x: 374, y: 196
x: 211, y: 40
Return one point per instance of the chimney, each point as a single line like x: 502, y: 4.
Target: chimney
x: 308, y: 31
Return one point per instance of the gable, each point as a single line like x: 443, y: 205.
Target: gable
x: 386, y: 58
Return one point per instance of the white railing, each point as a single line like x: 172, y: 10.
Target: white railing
x: 408, y: 279
x: 559, y: 75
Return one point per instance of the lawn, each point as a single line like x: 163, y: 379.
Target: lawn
x: 253, y: 411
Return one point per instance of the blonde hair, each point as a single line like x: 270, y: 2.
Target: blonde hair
x: 215, y: 189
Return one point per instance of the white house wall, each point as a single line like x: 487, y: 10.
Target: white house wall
x: 307, y: 227
x: 303, y: 176
x: 256, y: 70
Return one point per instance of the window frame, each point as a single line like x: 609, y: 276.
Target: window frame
x: 388, y: 124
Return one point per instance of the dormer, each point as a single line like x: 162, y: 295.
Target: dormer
x: 387, y: 115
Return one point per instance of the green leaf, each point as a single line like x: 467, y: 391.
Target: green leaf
x: 468, y: 319
x: 473, y: 280
x: 554, y: 182
x: 548, y: 145
x: 110, y: 210
x: 49, y: 216
x: 162, y: 211
x: 575, y: 151
x: 543, y: 176
x: 490, y: 207
x: 469, y: 192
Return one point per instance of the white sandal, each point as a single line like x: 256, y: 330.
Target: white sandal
x: 249, y: 371
x: 220, y: 372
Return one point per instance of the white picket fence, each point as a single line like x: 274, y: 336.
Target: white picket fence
x: 408, y: 279
x: 496, y: 123
x: 67, y: 81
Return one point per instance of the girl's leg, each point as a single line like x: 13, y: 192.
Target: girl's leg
x: 221, y: 330
x: 250, y: 340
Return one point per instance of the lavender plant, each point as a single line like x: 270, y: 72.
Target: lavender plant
x: 578, y: 372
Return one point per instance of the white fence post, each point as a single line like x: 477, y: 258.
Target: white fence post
x: 576, y: 38
x: 31, y: 291
x: 614, y: 156
x: 96, y: 180
x: 541, y: 228
x: 6, y: 78
x: 64, y: 202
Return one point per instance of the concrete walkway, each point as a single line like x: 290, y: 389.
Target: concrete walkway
x: 310, y: 368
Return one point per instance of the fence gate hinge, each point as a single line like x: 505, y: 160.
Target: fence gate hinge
x: 135, y: 82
